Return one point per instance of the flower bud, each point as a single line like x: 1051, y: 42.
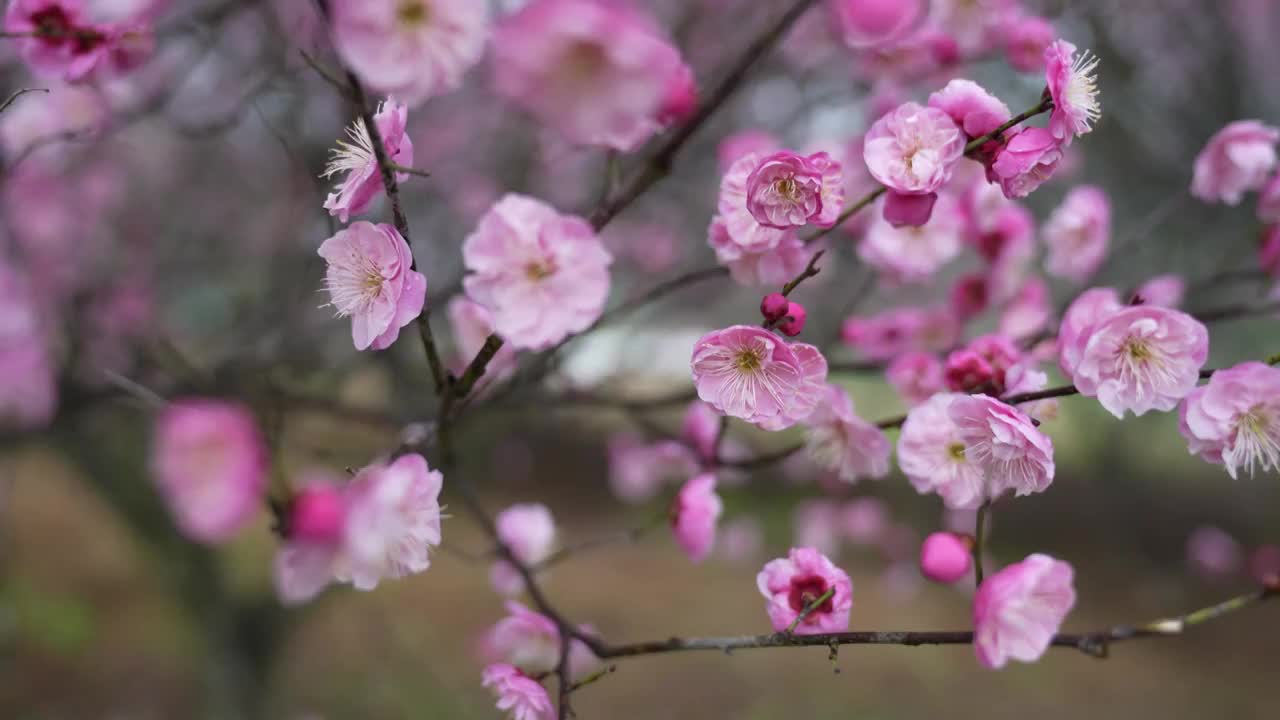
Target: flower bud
x: 774, y: 307
x: 967, y: 371
x: 318, y: 514
x: 945, y: 557
x: 793, y: 324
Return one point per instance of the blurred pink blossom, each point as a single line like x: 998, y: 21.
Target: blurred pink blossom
x: 945, y: 557
x: 519, y: 695
x: 916, y: 376
x: 524, y: 638
x: 913, y: 254
x: 529, y: 532
x: 1018, y: 610
x: 774, y: 266
x: 1237, y: 159
x: 1026, y: 38
x: 842, y: 442
x: 694, y: 515
x: 1078, y: 233
x: 1269, y: 201
x: 860, y: 23
x: 1162, y: 290
x: 816, y: 524
x: 1213, y: 554
x: 472, y: 324
x: 393, y: 521
x: 865, y: 520
x: 745, y: 142
x: 637, y: 471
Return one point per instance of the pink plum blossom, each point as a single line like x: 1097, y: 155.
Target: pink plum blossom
x: 907, y: 210
x: 913, y: 149
x: 860, y: 23
x: 1018, y: 610
x: 694, y: 515
x: 529, y: 532
x: 472, y: 324
x: 1142, y: 358
x: 1234, y: 420
x: 945, y: 557
x: 774, y: 266
x: 637, y: 471
x: 809, y: 394
x: 701, y: 429
x: 740, y: 225
x: 969, y: 105
x: 1026, y: 161
x: 1028, y: 312
x: 913, y: 254
x: 519, y: 695
x: 1026, y: 39
x: 1213, y: 554
x: 745, y: 142
x: 363, y: 180
x: 793, y: 583
x: 393, y: 521
x: 210, y: 463
x: 1077, y: 233
x: 969, y: 296
x: 542, y: 275
x: 865, y: 520
x: 883, y: 336
x: 56, y: 39
x: 411, y: 49
x: 816, y: 524
x: 787, y: 190
x: 774, y: 307
x: 1237, y: 159
x: 840, y: 441
x: 916, y: 376
x: 792, y: 323
x: 370, y: 278
x: 1089, y: 309
x: 746, y: 372
x: 1073, y: 84
x: 598, y: 73
x: 318, y: 513
x: 525, y: 639
x: 1162, y: 290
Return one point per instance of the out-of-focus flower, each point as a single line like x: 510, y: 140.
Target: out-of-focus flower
x: 1163, y: 290
x: 210, y: 463
x: 694, y: 515
x: 913, y: 149
x: 1269, y: 250
x: 637, y: 471
x: 1026, y: 38
x: 1269, y: 201
x: 746, y: 372
x: 1213, y: 554
x: 363, y: 181
x: 529, y: 532
x: 945, y: 557
x: 314, y: 532
x: 519, y: 695
x: 28, y: 377
x: 525, y: 639
x: 541, y: 274
x: 740, y: 540
x: 842, y: 442
x: 411, y: 49
x: 56, y: 39
x: 1026, y: 161
x: 864, y: 521
x: 1077, y: 233
x: 973, y: 109
x: 913, y: 254
x: 916, y: 376
x: 1028, y: 312
x: 1234, y: 420
x: 1236, y: 160
x: 370, y: 278
x: 861, y: 23
x: 746, y: 142
x: 892, y: 332
x: 393, y: 521
x: 774, y: 266
x: 1018, y: 610
x: 816, y: 524
x: 1073, y: 85
x: 472, y: 324
x: 795, y: 582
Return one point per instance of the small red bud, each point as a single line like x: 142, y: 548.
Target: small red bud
x: 793, y: 324
x: 774, y: 307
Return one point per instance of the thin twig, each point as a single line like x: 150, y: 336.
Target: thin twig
x: 979, y: 538
x: 17, y: 94
x: 808, y: 610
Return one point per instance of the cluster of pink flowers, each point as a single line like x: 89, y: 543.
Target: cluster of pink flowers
x: 1215, y: 556
x: 56, y: 38
x: 530, y: 641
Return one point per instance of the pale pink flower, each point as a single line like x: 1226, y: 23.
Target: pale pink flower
x: 860, y: 23
x: 865, y: 520
x: 1026, y: 39
x: 472, y: 324
x: 524, y: 638
x: 1269, y: 201
x: 1162, y: 290
x: 969, y: 105
x: 1142, y: 358
x: 774, y: 266
x: 895, y: 331
x: 1018, y: 610
x: 28, y: 376
x: 788, y: 190
x: 519, y: 695
x: 1213, y: 554
x: 529, y: 532
x: 1013, y: 453
x: 370, y: 278
x: 916, y: 376
x: 1234, y: 420
x: 1026, y: 161
x: 913, y: 254
x: 816, y: 524
x: 1089, y: 309
x: 740, y: 540
x: 701, y: 429
x: 412, y: 49
x: 810, y: 393
x: 1028, y: 312
x: 1237, y: 159
x: 210, y: 463
x: 637, y: 471
x: 746, y: 372
x: 746, y: 142
x: 1073, y: 84
x: 793, y: 583
x: 363, y: 180
x: 842, y: 442
x: 913, y: 149
x: 301, y: 570
x: 1077, y: 233
x: 598, y: 73
x: 740, y: 226
x: 393, y: 521
x: 932, y: 454
x: 694, y: 514
x: 541, y: 274
x: 972, y: 23
x: 945, y: 557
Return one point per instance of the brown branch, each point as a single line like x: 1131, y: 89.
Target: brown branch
x: 810, y: 270
x: 17, y: 94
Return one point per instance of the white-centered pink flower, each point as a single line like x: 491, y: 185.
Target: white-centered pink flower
x: 1142, y: 358
x: 1073, y: 84
x: 1234, y: 420
x: 541, y: 274
x: 599, y: 73
x: 1236, y: 160
x: 913, y: 149
x: 356, y: 159
x: 1078, y: 233
x: 519, y: 695
x: 914, y: 254
x: 529, y: 532
x: 805, y: 576
x: 1017, y: 611
x: 787, y: 190
x: 842, y: 442
x: 412, y: 49
x: 370, y: 278
x: 774, y: 266
x: 210, y: 463
x: 969, y: 105
x: 694, y: 515
x: 746, y: 372
x: 393, y: 521
x: 1025, y: 161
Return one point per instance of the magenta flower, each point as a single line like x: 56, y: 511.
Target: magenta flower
x: 774, y: 266
x: 1236, y: 160
x: 694, y: 514
x: 787, y: 190
x: 1073, y: 85
x: 840, y: 441
x: 793, y: 583
x: 1026, y: 39
x: 1234, y: 420
x: 393, y: 521
x: 1142, y: 358
x: 1018, y: 610
x: 811, y: 392
x: 370, y: 278
x: 907, y: 210
x: 314, y: 533
x: 541, y: 274
x: 1003, y: 441
x: 363, y: 181
x: 524, y: 638
x: 210, y: 463
x: 969, y: 105
x: 1089, y: 309
x: 862, y: 23
x: 412, y: 49
x: 519, y: 695
x: 913, y: 149
x: 638, y: 471
x: 56, y: 39
x: 740, y: 226
x: 1077, y: 234
x: 913, y: 254
x: 746, y: 372
x: 596, y: 72
x: 916, y: 376
x: 1025, y: 162
x: 529, y: 532
x: 945, y: 557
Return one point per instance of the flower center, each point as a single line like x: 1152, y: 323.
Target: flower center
x: 1082, y: 87
x: 1137, y: 350
x: 786, y: 187
x: 413, y: 13
x: 956, y: 451
x: 805, y: 590
x: 748, y: 360
x: 582, y: 62
x: 539, y: 270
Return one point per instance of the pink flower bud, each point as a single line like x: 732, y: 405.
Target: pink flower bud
x: 908, y: 210
x: 945, y: 557
x: 681, y: 98
x: 967, y: 371
x: 774, y: 307
x: 793, y: 324
x: 318, y: 514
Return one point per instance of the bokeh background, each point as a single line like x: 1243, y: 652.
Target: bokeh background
x: 181, y: 233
